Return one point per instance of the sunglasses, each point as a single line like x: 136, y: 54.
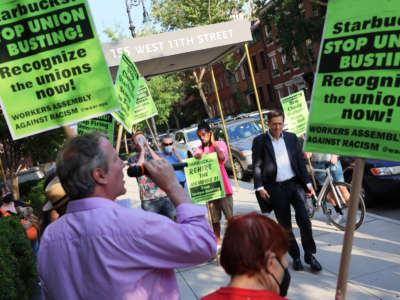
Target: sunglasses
x: 170, y: 144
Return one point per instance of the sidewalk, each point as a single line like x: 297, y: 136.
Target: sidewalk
x: 374, y: 270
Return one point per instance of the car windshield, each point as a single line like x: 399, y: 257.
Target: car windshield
x: 244, y: 130
x: 192, y: 136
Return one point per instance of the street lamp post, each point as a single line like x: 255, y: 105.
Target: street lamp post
x: 129, y: 4
x: 146, y: 18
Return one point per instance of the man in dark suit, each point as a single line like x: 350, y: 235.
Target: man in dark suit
x: 280, y: 179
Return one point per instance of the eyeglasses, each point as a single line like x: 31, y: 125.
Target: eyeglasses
x: 168, y: 144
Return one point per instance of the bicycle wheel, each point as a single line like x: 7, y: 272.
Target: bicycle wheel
x: 339, y: 220
x: 311, y: 206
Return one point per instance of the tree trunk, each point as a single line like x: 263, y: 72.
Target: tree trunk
x: 202, y: 95
x: 174, y: 113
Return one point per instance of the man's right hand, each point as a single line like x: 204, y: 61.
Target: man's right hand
x: 264, y: 194
x: 198, y: 155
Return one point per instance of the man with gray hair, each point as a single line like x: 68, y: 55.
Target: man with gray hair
x: 100, y: 250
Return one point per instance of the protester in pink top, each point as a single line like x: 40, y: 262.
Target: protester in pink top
x: 209, y: 145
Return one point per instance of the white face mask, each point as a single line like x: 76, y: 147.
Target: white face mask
x: 168, y: 149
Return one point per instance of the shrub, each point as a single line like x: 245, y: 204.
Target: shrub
x: 18, y: 275
x: 37, y: 197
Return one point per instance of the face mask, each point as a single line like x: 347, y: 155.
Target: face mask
x: 8, y: 198
x: 284, y: 285
x: 168, y: 149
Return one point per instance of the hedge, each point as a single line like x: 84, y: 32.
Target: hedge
x: 18, y: 277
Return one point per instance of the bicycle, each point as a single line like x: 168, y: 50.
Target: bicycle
x: 321, y: 200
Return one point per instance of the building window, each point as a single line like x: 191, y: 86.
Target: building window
x: 266, y: 31
x: 233, y: 107
x: 248, y: 100
x: 280, y: 93
x: 242, y: 72
x: 260, y: 94
x: 294, y: 56
x: 290, y: 90
x: 246, y: 67
x: 270, y: 94
x: 285, y: 66
x: 283, y: 56
x: 221, y: 83
x: 274, y: 64
x: 254, y: 62
x: 268, y: 35
x: 263, y: 62
x: 236, y: 76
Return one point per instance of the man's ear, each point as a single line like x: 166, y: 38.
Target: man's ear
x: 99, y: 175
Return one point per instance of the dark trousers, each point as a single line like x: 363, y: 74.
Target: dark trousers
x: 282, y: 195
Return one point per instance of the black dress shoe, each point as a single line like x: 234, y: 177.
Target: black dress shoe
x: 297, y: 265
x: 313, y: 262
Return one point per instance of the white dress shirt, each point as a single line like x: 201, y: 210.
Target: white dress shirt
x: 284, y: 170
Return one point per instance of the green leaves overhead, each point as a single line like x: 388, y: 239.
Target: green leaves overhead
x: 177, y: 14
x: 295, y: 25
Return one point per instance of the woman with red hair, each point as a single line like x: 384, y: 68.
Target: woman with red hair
x: 254, y: 255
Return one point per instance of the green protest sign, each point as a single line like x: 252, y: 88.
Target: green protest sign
x: 103, y: 124
x: 296, y: 112
x: 144, y: 105
x: 52, y: 68
x: 356, y: 101
x: 126, y: 85
x: 204, y: 180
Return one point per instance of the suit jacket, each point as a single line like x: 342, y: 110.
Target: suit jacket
x: 264, y: 162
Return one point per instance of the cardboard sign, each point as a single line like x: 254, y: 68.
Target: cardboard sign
x: 126, y: 85
x: 356, y: 100
x: 144, y: 105
x: 52, y: 68
x: 203, y: 177
x: 103, y: 124
x: 296, y: 112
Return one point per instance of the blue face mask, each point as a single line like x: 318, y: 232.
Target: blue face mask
x: 168, y: 149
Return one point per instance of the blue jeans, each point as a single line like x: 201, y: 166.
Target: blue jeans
x: 336, y: 171
x: 162, y: 206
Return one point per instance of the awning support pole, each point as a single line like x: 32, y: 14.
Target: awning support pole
x: 223, y: 123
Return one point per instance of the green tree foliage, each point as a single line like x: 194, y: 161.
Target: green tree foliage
x: 287, y: 18
x: 41, y: 147
x: 177, y: 14
x: 166, y: 90
x: 18, y: 275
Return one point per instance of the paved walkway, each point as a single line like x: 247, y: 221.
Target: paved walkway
x: 375, y: 264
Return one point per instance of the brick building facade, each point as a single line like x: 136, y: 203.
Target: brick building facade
x: 275, y: 76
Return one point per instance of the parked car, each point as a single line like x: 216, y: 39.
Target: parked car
x: 241, y: 133
x: 187, y: 140
x: 381, y: 179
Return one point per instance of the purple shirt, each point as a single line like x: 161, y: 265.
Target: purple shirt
x: 100, y: 250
